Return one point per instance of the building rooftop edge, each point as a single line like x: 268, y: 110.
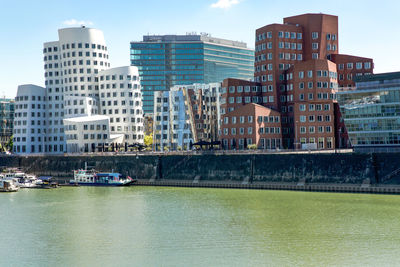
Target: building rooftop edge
x: 378, y: 77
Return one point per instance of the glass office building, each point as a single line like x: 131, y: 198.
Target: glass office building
x: 168, y: 60
x: 7, y: 110
x: 371, y: 112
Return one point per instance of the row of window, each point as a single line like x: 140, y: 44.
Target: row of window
x: 88, y: 62
x: 122, y: 94
x: 38, y: 148
x: 282, y: 56
x: 80, y: 45
x: 311, y: 129
x: 27, y: 98
x: 248, y: 99
x: 281, y: 45
x: 311, y: 118
x: 242, y: 119
x: 312, y: 107
x: 359, y: 65
x: 74, y: 54
x: 117, y: 103
x: 241, y: 131
x: 123, y: 111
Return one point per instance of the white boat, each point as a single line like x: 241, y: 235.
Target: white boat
x: 92, y: 178
x: 8, y: 185
x: 23, y: 180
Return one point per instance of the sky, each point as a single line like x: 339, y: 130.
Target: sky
x: 367, y: 28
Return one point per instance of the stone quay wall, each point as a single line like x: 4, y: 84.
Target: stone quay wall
x: 348, y: 168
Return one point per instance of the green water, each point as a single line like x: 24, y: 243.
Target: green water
x: 154, y: 226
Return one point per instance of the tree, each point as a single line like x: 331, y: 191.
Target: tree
x: 148, y: 140
x: 10, y: 144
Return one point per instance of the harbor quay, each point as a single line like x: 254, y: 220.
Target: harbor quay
x: 331, y: 172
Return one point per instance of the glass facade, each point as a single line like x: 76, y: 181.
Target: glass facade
x: 165, y: 61
x: 371, y: 111
x: 7, y: 109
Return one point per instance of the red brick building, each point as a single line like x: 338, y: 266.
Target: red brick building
x: 252, y: 124
x: 295, y: 69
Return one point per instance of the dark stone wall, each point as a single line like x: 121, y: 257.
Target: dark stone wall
x: 314, y: 168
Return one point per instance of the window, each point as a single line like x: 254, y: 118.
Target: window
x: 299, y: 35
x: 367, y: 65
x: 314, y: 35
x: 315, y: 55
x: 314, y: 46
x: 349, y: 65
x: 359, y: 65
x: 302, y: 107
x: 301, y: 74
x: 303, y: 118
x: 250, y: 130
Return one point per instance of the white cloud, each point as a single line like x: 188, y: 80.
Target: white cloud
x: 74, y: 22
x: 224, y: 4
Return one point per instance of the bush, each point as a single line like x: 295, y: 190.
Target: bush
x: 252, y: 146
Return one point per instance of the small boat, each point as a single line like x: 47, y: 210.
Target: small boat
x: 47, y: 182
x: 8, y: 185
x: 24, y: 180
x: 92, y: 178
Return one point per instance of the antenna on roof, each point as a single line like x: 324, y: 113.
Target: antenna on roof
x: 83, y: 26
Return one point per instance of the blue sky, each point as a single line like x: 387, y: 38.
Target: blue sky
x: 366, y: 28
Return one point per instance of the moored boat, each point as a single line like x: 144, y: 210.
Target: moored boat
x: 92, y: 178
x: 8, y: 185
x: 23, y: 180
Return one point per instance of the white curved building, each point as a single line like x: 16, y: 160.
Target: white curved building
x: 30, y: 119
x: 83, y: 55
x: 121, y: 100
x: 72, y: 77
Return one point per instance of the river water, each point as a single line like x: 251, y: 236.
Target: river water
x: 165, y: 226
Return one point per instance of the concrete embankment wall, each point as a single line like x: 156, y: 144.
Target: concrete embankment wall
x: 283, y: 168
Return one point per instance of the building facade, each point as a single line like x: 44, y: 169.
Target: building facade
x: 30, y: 131
x: 252, y: 124
x: 168, y: 60
x: 371, y: 112
x: 296, y: 75
x: 7, y: 109
x: 77, y: 69
x: 186, y: 115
